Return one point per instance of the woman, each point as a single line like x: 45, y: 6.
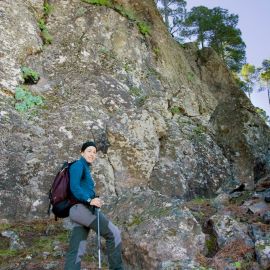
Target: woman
x: 84, y: 214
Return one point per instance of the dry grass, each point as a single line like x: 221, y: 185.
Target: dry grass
x: 241, y: 213
x: 39, y: 237
x: 235, y: 251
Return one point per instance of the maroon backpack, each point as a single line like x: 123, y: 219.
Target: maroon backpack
x: 60, y: 196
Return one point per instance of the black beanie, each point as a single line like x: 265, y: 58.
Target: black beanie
x: 87, y: 144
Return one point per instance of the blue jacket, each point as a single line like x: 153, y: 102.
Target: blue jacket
x: 82, y: 184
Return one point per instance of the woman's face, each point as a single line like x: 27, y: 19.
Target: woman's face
x: 89, y: 154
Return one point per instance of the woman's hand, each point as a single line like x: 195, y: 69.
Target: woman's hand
x: 97, y: 202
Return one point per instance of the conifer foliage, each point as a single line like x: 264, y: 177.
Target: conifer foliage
x: 217, y: 28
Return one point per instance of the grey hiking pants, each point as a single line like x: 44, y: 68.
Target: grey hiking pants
x: 84, y: 220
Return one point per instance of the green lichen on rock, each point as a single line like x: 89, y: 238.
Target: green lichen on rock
x: 140, y: 97
x: 25, y: 100
x: 159, y: 212
x: 141, y: 100
x: 198, y: 134
x: 190, y: 76
x: 135, y: 91
x: 136, y: 220
x: 199, y: 130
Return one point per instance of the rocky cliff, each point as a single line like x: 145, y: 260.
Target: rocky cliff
x: 183, y: 152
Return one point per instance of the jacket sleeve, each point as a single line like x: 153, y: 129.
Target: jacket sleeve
x: 75, y: 174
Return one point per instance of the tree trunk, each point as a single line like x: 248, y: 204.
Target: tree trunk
x: 268, y: 92
x: 166, y: 12
x: 201, y: 38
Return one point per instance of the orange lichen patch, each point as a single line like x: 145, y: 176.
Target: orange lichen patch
x: 6, y: 92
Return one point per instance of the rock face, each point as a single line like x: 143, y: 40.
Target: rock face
x: 239, y: 132
x: 168, y: 120
x: 16, y: 44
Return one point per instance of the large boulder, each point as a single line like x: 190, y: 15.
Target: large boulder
x: 227, y: 230
x: 261, y: 236
x: 158, y: 233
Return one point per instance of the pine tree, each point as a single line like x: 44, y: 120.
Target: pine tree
x: 197, y: 24
x: 248, y: 73
x: 264, y: 77
x: 173, y: 13
x: 217, y: 28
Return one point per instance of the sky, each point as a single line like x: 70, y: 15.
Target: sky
x: 254, y: 23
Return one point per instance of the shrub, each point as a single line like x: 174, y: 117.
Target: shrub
x: 198, y: 134
x: 42, y: 24
x: 263, y: 115
x: 152, y: 72
x: 29, y: 75
x: 237, y: 264
x: 106, y: 3
x: 127, y: 67
x: 156, y: 51
x: 45, y: 35
x: 199, y: 130
x: 175, y: 110
x: 144, y: 28
x: 47, y: 8
x: 129, y: 14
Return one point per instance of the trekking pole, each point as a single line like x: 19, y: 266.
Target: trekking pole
x: 98, y: 232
